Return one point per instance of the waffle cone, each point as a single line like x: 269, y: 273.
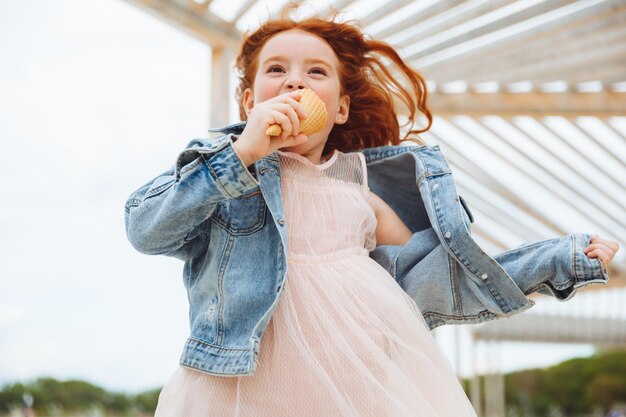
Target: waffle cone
x: 316, y: 115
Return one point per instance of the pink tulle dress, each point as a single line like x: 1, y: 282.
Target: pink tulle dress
x: 345, y: 339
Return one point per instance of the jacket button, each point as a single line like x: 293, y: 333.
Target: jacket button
x: 435, y: 186
x: 484, y: 276
x: 447, y: 235
x: 281, y: 221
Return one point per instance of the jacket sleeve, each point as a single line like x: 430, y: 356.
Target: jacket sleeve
x: 164, y: 215
x: 555, y: 267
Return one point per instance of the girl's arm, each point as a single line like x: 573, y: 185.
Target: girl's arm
x: 166, y: 214
x: 556, y: 266
x: 390, y: 229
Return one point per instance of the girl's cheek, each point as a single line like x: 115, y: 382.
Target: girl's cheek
x: 266, y: 93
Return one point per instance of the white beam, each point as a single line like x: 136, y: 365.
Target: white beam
x: 553, y: 329
x: 470, y: 27
x: 535, y: 194
x: 206, y: 27
x: 495, y: 183
x: 569, y: 153
x: 221, y: 92
x: 425, y: 18
x: 578, y: 58
x: 508, y: 34
x: 383, y: 11
x: 536, y: 104
x: 245, y: 6
x: 527, y: 47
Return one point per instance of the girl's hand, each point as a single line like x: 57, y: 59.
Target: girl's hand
x: 602, y: 249
x: 285, y: 110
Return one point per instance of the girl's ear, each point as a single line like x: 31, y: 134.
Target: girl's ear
x: 343, y: 110
x: 248, y: 101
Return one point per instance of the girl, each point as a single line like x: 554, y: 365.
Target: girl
x: 275, y: 233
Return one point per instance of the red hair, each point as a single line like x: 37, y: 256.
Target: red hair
x: 371, y: 87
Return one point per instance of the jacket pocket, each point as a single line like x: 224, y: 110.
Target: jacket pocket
x: 242, y: 215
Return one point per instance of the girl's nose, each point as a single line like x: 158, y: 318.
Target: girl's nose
x: 295, y: 82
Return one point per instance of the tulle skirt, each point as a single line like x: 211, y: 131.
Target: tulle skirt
x: 344, y: 340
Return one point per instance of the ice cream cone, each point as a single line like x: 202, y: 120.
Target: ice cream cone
x: 316, y: 115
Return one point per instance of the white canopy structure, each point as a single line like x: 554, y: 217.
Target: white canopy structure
x: 529, y: 105
x: 528, y: 98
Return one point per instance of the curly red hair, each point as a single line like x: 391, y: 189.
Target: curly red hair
x: 363, y: 76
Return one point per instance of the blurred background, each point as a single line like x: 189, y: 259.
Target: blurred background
x: 98, y: 97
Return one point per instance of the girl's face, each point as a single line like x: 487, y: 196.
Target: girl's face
x: 293, y: 60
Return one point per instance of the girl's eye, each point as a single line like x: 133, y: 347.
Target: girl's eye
x: 273, y: 67
x: 317, y: 70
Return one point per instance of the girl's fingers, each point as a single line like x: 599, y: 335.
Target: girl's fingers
x: 599, y: 246
x: 298, y: 110
x: 293, y: 99
x: 288, y: 104
x: 287, y: 110
x: 611, y: 244
x: 602, y: 243
x: 298, y: 107
x: 601, y: 254
x: 282, y: 120
x: 296, y: 95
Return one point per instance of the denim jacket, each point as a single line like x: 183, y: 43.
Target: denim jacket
x: 227, y: 223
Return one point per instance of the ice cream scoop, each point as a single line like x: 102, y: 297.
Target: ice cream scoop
x: 316, y: 115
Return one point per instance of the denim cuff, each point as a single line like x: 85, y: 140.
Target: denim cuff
x: 229, y: 170
x: 224, y: 165
x: 586, y: 270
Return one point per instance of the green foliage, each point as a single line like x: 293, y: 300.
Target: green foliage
x: 577, y: 386
x: 53, y: 397
x: 574, y: 387
x: 529, y: 390
x: 147, y: 401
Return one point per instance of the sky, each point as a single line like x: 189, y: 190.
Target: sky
x: 97, y: 98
